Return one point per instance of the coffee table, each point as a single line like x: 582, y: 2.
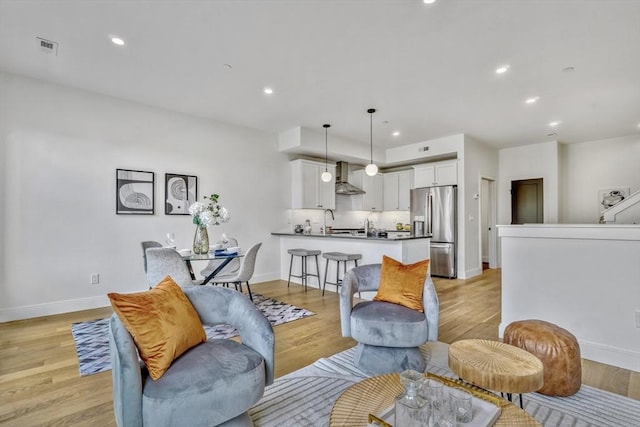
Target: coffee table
x: 493, y: 365
x: 374, y: 395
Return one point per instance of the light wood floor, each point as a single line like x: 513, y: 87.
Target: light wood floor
x: 40, y: 385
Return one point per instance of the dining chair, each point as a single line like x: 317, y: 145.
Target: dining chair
x: 233, y: 265
x: 244, y: 273
x: 163, y: 262
x: 146, y: 245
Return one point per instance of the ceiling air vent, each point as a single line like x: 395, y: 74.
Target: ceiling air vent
x: 48, y: 46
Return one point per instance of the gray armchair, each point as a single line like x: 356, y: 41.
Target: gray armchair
x: 388, y: 334
x: 214, y: 383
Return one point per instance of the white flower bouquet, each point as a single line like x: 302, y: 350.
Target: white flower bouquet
x: 208, y: 214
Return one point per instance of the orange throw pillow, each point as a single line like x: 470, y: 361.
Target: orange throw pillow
x: 162, y: 322
x: 402, y: 283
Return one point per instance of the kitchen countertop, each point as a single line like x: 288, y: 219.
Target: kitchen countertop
x: 349, y: 236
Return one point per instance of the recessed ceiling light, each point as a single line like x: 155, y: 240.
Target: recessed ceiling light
x: 228, y: 66
x: 428, y: 1
x: 117, y: 41
x: 396, y: 133
x: 555, y: 123
x: 568, y: 69
x: 268, y: 90
x: 532, y: 100
x: 502, y: 69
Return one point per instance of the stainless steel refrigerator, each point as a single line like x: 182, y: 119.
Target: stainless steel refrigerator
x: 434, y: 211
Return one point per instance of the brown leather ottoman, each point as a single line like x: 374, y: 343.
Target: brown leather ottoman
x: 558, y: 350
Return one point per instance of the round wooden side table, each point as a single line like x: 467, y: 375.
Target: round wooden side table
x: 493, y: 365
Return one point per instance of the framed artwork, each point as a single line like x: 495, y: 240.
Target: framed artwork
x: 180, y: 192
x: 135, y: 192
x: 610, y: 196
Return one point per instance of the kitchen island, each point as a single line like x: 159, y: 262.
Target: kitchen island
x: 406, y: 249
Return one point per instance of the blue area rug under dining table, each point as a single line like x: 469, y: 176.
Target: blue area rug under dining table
x: 92, y: 337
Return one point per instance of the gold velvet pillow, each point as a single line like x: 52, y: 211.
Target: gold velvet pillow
x: 402, y: 284
x: 162, y: 322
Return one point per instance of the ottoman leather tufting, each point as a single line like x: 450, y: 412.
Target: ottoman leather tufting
x: 558, y: 350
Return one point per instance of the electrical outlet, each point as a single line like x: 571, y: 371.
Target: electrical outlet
x: 95, y: 278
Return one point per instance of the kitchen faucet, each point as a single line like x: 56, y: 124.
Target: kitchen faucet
x: 324, y: 217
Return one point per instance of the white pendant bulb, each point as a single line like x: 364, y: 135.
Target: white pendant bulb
x: 326, y: 175
x: 371, y: 168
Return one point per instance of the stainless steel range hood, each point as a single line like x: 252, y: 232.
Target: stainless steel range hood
x: 342, y: 175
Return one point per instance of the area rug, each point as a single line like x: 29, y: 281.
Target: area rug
x: 305, y: 397
x: 92, y: 339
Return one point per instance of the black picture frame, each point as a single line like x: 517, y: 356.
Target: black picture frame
x: 180, y: 192
x: 135, y: 192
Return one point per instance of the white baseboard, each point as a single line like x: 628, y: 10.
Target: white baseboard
x: 51, y: 308
x: 472, y: 272
x: 265, y: 277
x: 620, y: 357
x: 609, y: 355
x: 68, y: 306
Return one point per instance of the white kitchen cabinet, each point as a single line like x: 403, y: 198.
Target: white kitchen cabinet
x: 396, y: 190
x: 308, y: 190
x: 372, y: 185
x: 437, y: 173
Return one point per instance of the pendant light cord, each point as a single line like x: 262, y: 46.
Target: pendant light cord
x: 326, y: 146
x: 371, y: 135
x: 371, y: 111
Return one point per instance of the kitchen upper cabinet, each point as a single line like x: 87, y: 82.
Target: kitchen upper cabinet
x: 372, y: 185
x: 438, y: 173
x: 396, y: 190
x: 308, y: 190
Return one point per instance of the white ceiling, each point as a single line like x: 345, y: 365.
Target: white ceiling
x: 428, y: 69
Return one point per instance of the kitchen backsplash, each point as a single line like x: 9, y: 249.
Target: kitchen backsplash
x: 347, y: 219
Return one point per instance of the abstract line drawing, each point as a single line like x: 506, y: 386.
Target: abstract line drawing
x: 135, y: 192
x: 180, y: 192
x: 610, y: 196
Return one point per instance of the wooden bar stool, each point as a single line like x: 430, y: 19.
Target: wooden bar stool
x: 338, y: 257
x: 303, y: 254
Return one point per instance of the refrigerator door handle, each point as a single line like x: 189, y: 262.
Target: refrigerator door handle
x: 429, y: 213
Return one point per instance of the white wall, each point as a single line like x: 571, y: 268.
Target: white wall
x: 584, y: 278
x: 60, y: 150
x: 453, y: 144
x: 480, y: 161
x: 527, y: 162
x: 597, y: 165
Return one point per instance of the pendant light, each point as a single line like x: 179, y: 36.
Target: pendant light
x: 326, y: 175
x: 371, y: 168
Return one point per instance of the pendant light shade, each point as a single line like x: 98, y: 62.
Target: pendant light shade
x: 371, y: 168
x: 326, y: 175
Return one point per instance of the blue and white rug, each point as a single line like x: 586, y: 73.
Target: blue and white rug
x: 305, y: 397
x: 92, y: 339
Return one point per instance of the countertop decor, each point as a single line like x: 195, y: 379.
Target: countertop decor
x: 350, y: 236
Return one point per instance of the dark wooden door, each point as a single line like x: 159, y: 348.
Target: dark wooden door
x: 526, y: 201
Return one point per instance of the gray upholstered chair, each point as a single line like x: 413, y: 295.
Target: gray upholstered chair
x: 233, y: 265
x: 163, y: 262
x: 388, y: 334
x: 244, y: 273
x: 213, y: 383
x: 146, y: 245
